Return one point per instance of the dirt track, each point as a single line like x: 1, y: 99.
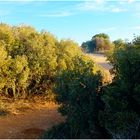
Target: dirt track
x: 101, y: 60
x: 29, y: 125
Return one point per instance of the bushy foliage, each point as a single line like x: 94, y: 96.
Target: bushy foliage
x: 102, y: 35
x: 67, y: 50
x: 99, y: 42
x: 122, y: 116
x: 102, y: 44
x: 30, y: 60
x: 88, y: 46
x: 91, y: 108
x: 119, y: 43
x: 77, y: 92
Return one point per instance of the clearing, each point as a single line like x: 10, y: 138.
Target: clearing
x: 101, y: 59
x: 29, y: 124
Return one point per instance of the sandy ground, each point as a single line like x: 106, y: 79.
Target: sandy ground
x: 31, y: 124
x: 101, y: 60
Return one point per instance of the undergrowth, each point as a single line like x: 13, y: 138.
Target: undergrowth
x: 20, y: 105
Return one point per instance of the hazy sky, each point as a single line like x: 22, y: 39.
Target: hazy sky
x: 77, y: 20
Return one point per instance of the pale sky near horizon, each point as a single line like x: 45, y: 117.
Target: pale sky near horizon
x: 76, y: 20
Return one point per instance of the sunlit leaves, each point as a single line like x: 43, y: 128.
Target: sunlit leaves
x: 31, y: 59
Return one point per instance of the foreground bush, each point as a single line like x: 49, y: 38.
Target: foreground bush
x: 121, y: 117
x: 78, y: 93
x: 96, y: 111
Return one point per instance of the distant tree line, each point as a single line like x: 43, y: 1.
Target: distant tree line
x: 101, y: 42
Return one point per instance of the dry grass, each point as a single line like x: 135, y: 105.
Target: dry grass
x: 101, y: 60
x: 103, y: 65
x: 28, y: 119
x: 19, y: 106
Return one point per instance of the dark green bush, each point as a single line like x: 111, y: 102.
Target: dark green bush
x: 121, y: 117
x: 77, y: 92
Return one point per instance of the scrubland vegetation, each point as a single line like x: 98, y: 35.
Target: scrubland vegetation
x: 35, y: 63
x: 30, y: 60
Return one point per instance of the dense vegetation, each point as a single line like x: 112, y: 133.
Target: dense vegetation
x: 95, y: 110
x: 78, y: 93
x: 33, y: 62
x: 121, y: 116
x: 30, y: 60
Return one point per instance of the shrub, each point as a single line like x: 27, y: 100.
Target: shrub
x: 30, y: 60
x: 77, y: 92
x: 121, y: 117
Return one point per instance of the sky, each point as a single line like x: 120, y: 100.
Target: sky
x: 76, y: 20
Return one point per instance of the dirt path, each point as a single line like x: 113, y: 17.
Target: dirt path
x: 101, y: 60
x: 29, y: 125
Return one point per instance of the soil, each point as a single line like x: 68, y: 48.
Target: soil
x: 101, y: 60
x: 29, y: 125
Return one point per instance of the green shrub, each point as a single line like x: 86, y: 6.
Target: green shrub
x: 121, y: 117
x: 77, y: 92
x: 30, y: 60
